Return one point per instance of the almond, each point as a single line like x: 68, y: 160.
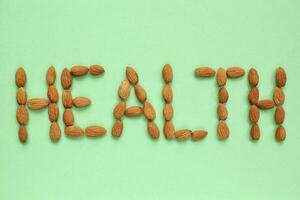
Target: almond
x: 235, y: 72
x: 254, y: 114
x: 221, y: 77
x: 22, y: 115
x: 223, y: 95
x: 253, y: 77
x: 96, y: 70
x: 68, y: 117
x: 23, y: 134
x: 52, y: 94
x: 223, y: 130
x: 66, y: 79
x: 222, y: 112
x: 168, y: 112
x: 53, y: 112
x: 134, y: 111
x: 131, y: 75
x: 51, y: 75
x: 119, y: 110
x: 169, y: 130
x: 54, y: 132
x: 255, y: 132
x: 199, y: 134
x: 80, y: 102
x: 67, y: 98
x: 73, y: 131
x: 278, y: 96
x: 21, y: 96
x: 280, y: 133
x: 280, y: 77
x: 140, y: 93
x: 124, y: 89
x: 79, y: 70
x: 20, y: 77
x: 279, y: 115
x: 149, y: 111
x: 205, y: 72
x: 95, y: 131
x: 117, y: 128
x: 153, y: 130
x: 167, y: 93
x: 37, y: 103
x: 167, y: 73
x: 182, y: 134
x: 253, y: 96
x: 265, y: 104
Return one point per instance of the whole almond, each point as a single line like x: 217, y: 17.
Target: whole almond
x: 22, y: 115
x: 169, y: 130
x: 279, y: 115
x: 168, y: 93
x: 255, y: 132
x: 96, y: 70
x: 278, y: 96
x: 140, y: 93
x: 221, y: 77
x: 79, y: 70
x: 117, y: 128
x: 153, y: 130
x: 20, y: 77
x: 23, y: 134
x: 80, y: 102
x: 95, y: 131
x: 280, y: 133
x: 52, y: 94
x: 182, y: 134
x: 167, y: 73
x: 205, y: 72
x: 280, y: 77
x: 53, y: 112
x: 223, y: 95
x: 134, y: 111
x: 265, y: 104
x: 168, y: 112
x: 124, y: 90
x: 66, y: 79
x: 198, y: 135
x: 222, y: 112
x: 73, y: 131
x: 149, y: 111
x: 131, y: 75
x: 119, y: 110
x: 67, y: 98
x: 253, y: 77
x: 254, y: 114
x: 253, y: 96
x: 21, y: 96
x: 235, y: 72
x: 54, y: 132
x: 37, y: 103
x: 51, y: 75
x: 223, y: 130
x: 68, y: 117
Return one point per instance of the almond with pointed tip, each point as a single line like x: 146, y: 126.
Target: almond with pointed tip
x: 124, y: 89
x: 80, y: 102
x: 117, y: 128
x: 66, y: 79
x: 169, y: 130
x: 222, y: 112
x: 254, y: 114
x: 278, y: 96
x: 279, y: 115
x: 280, y: 133
x: 168, y: 112
x: 67, y: 98
x: 22, y: 115
x: 223, y: 130
x: 253, y: 77
x: 140, y: 93
x: 223, y: 95
x: 149, y: 111
x: 54, y: 132
x: 167, y: 73
x: 280, y: 77
x: 21, y: 96
x: 235, y: 72
x: 23, y: 134
x: 95, y: 131
x: 205, y: 72
x: 74, y: 131
x: 37, y: 103
x: 221, y: 77
x: 53, y: 112
x: 255, y: 132
x: 153, y: 130
x: 52, y: 94
x: 168, y: 93
x: 119, y: 110
x: 134, y: 111
x: 68, y: 117
x: 20, y: 77
x: 51, y: 75
x: 265, y: 104
x: 198, y: 135
x: 132, y: 76
x: 96, y: 70
x: 182, y: 134
x: 79, y: 70
x: 253, y: 96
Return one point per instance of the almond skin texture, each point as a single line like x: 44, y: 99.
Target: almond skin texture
x: 51, y: 75
x: 68, y: 117
x: 67, y: 98
x: 280, y: 77
x: 23, y: 134
x: 54, y: 132
x: 279, y: 115
x: 265, y: 104
x: 124, y: 90
x: 117, y: 128
x: 205, y: 72
x: 132, y: 76
x: 21, y: 96
x: 22, y: 115
x: 169, y: 130
x: 73, y: 131
x: 79, y: 70
x: 37, y: 103
x: 134, y: 111
x: 153, y: 130
x: 280, y: 133
x: 199, y: 135
x: 235, y: 72
x: 119, y: 110
x: 53, y: 112
x: 253, y: 77
x: 149, y: 111
x: 278, y: 96
x: 223, y: 95
x: 222, y: 112
x: 255, y: 132
x: 223, y: 130
x: 254, y: 114
x: 52, y: 94
x: 140, y: 93
x: 96, y: 70
x: 168, y: 93
x: 221, y: 77
x: 20, y: 77
x: 95, y: 131
x: 167, y: 73
x: 168, y: 112
x: 80, y: 102
x: 66, y: 79
x: 182, y: 134
x: 253, y: 96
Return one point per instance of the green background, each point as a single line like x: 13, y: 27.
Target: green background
x: 147, y: 34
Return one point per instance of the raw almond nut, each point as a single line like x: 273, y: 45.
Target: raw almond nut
x: 66, y: 79
x: 79, y: 70
x: 80, y: 102
x: 153, y: 130
x: 223, y: 95
x: 37, y: 103
x: 278, y: 96
x: 73, y: 131
x: 168, y: 112
x: 140, y: 93
x: 205, y: 72
x: 255, y: 132
x: 199, y: 134
x: 67, y: 98
x: 221, y: 77
x: 253, y: 96
x: 222, y: 112
x: 22, y: 115
x: 21, y: 96
x: 20, y: 77
x: 280, y: 77
x: 167, y: 73
x: 52, y: 94
x: 96, y: 70
x: 254, y: 114
x: 169, y: 130
x: 53, y: 112
x: 280, y: 133
x: 253, y: 77
x: 124, y: 90
x: 223, y: 130
x: 95, y: 131
x: 134, y: 111
x: 279, y: 115
x: 51, y: 75
x: 265, y: 104
x: 117, y: 128
x: 168, y: 93
x: 119, y: 110
x: 182, y: 134
x: 23, y: 134
x: 68, y: 117
x: 235, y: 72
x: 131, y: 75
x: 149, y: 111
x: 54, y: 132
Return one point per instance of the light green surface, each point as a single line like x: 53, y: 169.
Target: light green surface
x: 146, y: 35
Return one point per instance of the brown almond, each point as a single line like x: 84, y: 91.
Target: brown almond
x: 278, y: 96
x: 96, y: 70
x: 222, y: 112
x: 37, y: 103
x: 199, y: 135
x: 255, y: 132
x: 80, y: 102
x: 54, y: 132
x: 66, y: 79
x: 95, y: 131
x: 279, y: 115
x: 221, y: 77
x: 119, y: 110
x: 117, y: 128
x: 253, y: 77
x: 20, y: 77
x: 68, y: 117
x: 223, y: 130
x: 140, y: 93
x: 131, y: 75
x: 168, y: 93
x: 67, y: 98
x: 169, y: 130
x: 149, y: 111
x: 167, y: 73
x: 168, y: 112
x: 182, y: 134
x: 153, y: 130
x: 73, y: 131
x: 253, y: 96
x: 124, y: 90
x: 265, y: 104
x: 235, y: 72
x: 79, y: 70
x: 51, y: 75
x: 134, y: 111
x: 205, y: 72
x: 280, y: 77
x: 223, y: 95
x: 22, y: 115
x: 23, y: 133
x: 53, y: 112
x: 254, y: 114
x: 52, y: 94
x: 21, y: 96
x: 280, y: 133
